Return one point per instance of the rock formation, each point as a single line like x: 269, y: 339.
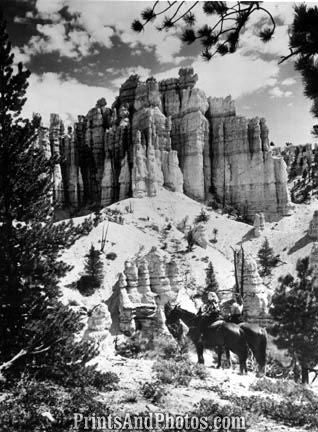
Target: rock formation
x: 255, y: 294
x: 199, y: 235
x: 190, y: 129
x: 146, y: 285
x: 55, y: 134
x: 245, y: 174
x: 298, y: 158
x: 97, y: 331
x: 313, y: 263
x: 259, y: 224
x: 168, y: 134
x: 313, y: 226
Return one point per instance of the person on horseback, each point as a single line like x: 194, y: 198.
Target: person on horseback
x: 210, y: 311
x: 236, y: 310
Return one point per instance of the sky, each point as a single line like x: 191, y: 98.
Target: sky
x: 81, y: 50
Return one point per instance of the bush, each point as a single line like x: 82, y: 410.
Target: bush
x: 215, y: 204
x: 153, y: 390
x: 167, y: 348
x: 202, y: 217
x: 105, y: 381
x: 44, y: 406
x: 87, y: 285
x: 73, y: 302
x: 190, y: 239
x: 274, y: 369
x: 111, y: 256
x: 295, y: 409
x: 98, y: 217
x: 132, y: 347
x: 211, y: 409
x: 178, y: 372
x: 284, y: 387
x: 84, y: 228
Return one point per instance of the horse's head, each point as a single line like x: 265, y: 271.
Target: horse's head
x: 172, y: 314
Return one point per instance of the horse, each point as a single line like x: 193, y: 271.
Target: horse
x: 212, y: 335
x: 256, y: 336
x: 218, y: 335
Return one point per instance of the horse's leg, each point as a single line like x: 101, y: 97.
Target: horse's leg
x: 261, y: 370
x: 243, y: 358
x: 199, y: 348
x: 219, y: 350
x: 228, y: 357
x: 261, y: 356
x: 243, y: 367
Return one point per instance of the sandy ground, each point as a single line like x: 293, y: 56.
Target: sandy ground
x: 134, y: 373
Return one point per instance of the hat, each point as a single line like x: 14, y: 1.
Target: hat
x: 213, y: 296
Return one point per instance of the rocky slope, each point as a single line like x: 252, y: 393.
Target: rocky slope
x: 152, y: 262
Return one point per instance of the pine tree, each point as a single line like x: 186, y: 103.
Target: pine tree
x: 303, y: 42
x: 93, y: 272
x: 295, y: 313
x: 94, y: 266
x: 266, y: 259
x: 36, y: 329
x: 211, y: 284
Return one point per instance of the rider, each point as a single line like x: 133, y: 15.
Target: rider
x: 210, y: 311
x: 236, y: 310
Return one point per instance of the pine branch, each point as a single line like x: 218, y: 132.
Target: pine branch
x: 292, y: 54
x: 226, y: 38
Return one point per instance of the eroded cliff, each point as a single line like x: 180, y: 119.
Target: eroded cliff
x: 168, y: 134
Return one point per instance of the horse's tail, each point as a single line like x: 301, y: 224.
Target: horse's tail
x: 257, y: 343
x: 261, y: 352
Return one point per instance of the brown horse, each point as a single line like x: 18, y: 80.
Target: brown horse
x: 255, y: 335
x: 221, y: 335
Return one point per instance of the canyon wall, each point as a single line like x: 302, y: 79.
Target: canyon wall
x: 245, y: 174
x: 167, y: 134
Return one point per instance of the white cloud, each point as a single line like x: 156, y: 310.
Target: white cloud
x: 250, y: 42
x: 102, y: 19
x: 166, y: 51
x: 48, y: 8
x: 233, y: 74
x: 53, y: 37
x: 50, y: 93
x: 283, y: 11
x: 276, y: 92
x: 288, y: 82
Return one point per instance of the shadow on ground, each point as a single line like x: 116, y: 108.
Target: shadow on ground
x: 304, y: 241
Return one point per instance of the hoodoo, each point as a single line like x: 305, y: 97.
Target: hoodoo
x: 168, y: 134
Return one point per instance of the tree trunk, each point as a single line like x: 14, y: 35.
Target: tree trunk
x: 242, y: 272
x: 304, y: 375
x: 237, y: 288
